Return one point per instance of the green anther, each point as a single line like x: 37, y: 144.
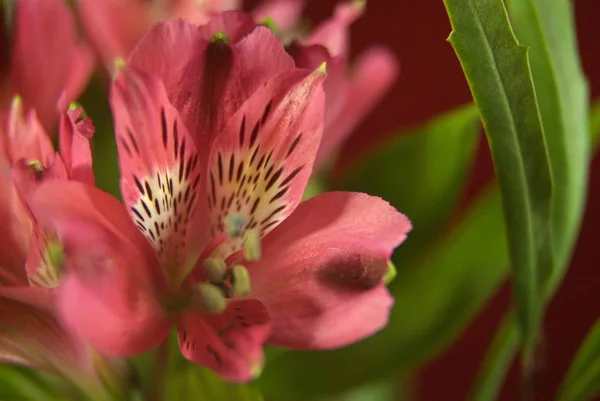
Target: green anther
x: 36, y: 165
x: 17, y: 101
x: 269, y: 22
x: 55, y: 253
x: 251, y: 244
x: 119, y: 64
x: 240, y: 279
x: 209, y: 298
x: 390, y: 275
x: 323, y: 67
x: 234, y: 224
x: 215, y: 269
x: 256, y: 370
x: 219, y: 37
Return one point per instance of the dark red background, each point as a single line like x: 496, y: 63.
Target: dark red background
x: 432, y: 82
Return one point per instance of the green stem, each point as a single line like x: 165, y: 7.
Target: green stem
x: 156, y: 386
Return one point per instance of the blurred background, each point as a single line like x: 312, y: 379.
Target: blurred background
x: 432, y: 82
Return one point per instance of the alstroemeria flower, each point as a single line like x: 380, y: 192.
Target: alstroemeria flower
x: 116, y: 26
x: 30, y: 333
x: 217, y: 136
x: 350, y: 96
x: 44, y: 68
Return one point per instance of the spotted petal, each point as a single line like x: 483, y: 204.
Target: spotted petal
x: 321, y: 274
x: 230, y: 343
x: 160, y: 170
x: 260, y: 164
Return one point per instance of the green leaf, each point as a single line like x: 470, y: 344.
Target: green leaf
x: 501, y: 353
x: 104, y: 148
x: 435, y: 299
x: 498, y: 359
x: 582, y: 381
x: 20, y: 384
x: 498, y: 73
x: 421, y: 172
x: 547, y: 26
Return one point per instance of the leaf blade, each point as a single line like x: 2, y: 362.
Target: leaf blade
x: 497, y: 70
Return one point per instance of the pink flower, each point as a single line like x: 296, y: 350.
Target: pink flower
x: 217, y: 133
x: 45, y: 67
x: 116, y: 26
x: 30, y: 334
x: 349, y: 96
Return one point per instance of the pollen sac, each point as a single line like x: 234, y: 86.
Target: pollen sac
x: 215, y: 269
x: 251, y: 245
x: 209, y: 298
x: 240, y: 279
x: 390, y: 275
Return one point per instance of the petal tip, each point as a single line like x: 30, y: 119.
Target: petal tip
x: 119, y: 65
x: 220, y: 37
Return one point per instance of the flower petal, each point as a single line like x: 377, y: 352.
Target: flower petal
x: 37, y: 73
x: 230, y: 343
x: 235, y: 24
x: 31, y: 336
x: 26, y: 139
x: 375, y: 72
x: 260, y: 164
x: 76, y: 131
x: 160, y: 169
x: 285, y: 13
x: 114, y: 26
x: 336, y: 87
x: 321, y: 272
x: 112, y: 292
x: 208, y: 83
x: 334, y: 33
x: 15, y: 226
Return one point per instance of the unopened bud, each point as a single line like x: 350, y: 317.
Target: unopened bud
x: 215, y: 269
x: 240, y: 279
x: 210, y: 298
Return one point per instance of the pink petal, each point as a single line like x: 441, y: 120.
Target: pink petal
x: 75, y: 134
x: 285, y: 13
x: 114, y: 26
x: 336, y: 87
x: 376, y: 71
x: 31, y: 336
x: 321, y: 271
x: 43, y: 65
x: 334, y: 33
x: 112, y: 293
x: 15, y: 226
x: 160, y: 169
x: 235, y: 24
x: 115, y: 316
x: 198, y: 77
x: 260, y: 164
x: 230, y: 343
x: 26, y: 139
